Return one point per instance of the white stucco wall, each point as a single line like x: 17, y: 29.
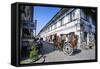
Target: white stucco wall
x: 67, y: 27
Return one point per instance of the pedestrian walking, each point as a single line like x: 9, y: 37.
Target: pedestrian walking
x: 41, y: 49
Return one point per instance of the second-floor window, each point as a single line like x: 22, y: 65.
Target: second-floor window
x: 49, y: 28
x: 84, y: 14
x: 75, y: 14
x: 58, y: 24
x: 53, y: 26
x: 66, y: 19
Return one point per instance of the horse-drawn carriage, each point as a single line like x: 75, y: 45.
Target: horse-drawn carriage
x: 66, y: 42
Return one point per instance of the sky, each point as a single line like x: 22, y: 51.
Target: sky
x: 43, y: 15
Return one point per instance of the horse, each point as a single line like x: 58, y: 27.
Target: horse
x: 73, y: 40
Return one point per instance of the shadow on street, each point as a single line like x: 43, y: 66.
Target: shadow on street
x: 76, y: 51
x: 48, y: 47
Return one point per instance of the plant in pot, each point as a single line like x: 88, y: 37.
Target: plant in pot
x: 34, y: 53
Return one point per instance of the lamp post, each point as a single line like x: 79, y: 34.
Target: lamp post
x: 35, y: 26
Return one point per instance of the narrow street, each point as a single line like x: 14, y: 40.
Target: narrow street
x: 53, y: 55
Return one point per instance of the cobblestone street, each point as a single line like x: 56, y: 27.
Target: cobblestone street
x: 53, y: 55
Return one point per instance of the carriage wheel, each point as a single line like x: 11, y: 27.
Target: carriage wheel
x: 68, y: 50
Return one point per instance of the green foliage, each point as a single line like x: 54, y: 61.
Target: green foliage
x: 34, y: 53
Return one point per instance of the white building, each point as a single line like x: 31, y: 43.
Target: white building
x: 81, y: 21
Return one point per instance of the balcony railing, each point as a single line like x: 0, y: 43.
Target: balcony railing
x: 29, y: 25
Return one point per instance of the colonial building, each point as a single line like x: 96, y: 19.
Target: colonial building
x: 82, y: 21
x: 27, y: 30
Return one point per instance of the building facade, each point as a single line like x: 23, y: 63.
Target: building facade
x: 27, y: 28
x: 82, y: 21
